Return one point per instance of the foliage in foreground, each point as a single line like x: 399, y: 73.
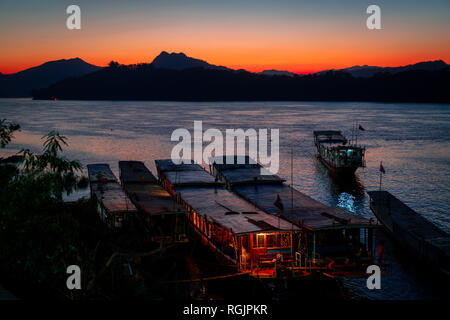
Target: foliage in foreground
x: 39, y: 234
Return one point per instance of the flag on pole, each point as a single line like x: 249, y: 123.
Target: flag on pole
x: 278, y: 203
x: 382, y: 168
x: 361, y: 128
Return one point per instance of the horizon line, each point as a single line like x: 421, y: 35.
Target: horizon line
x: 251, y: 70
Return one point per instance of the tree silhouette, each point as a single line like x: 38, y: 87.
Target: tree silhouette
x: 113, y: 64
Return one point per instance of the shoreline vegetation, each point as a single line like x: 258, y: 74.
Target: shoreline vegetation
x: 145, y: 82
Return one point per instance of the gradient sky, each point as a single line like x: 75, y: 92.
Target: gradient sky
x: 299, y: 36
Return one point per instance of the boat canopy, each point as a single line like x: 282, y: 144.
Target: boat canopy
x: 135, y: 172
x: 107, y: 191
x: 300, y: 208
x: 187, y: 174
x: 247, y: 172
x: 293, y: 205
x: 228, y: 210
x: 100, y: 172
x: 217, y: 204
x: 329, y: 136
x: 144, y: 190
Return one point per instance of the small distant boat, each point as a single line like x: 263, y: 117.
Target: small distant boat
x: 339, y: 157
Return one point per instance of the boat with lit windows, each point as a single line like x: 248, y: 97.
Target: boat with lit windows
x: 239, y: 234
x: 331, y: 240
x: 340, y: 157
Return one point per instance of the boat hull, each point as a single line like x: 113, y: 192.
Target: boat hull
x: 405, y: 225
x: 338, y: 171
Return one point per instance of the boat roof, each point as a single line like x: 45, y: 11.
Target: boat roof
x: 412, y: 221
x: 226, y: 209
x: 100, y: 172
x: 248, y: 172
x: 152, y: 198
x: 185, y: 173
x: 144, y: 190
x: 307, y: 211
x: 233, y: 162
x: 107, y: 190
x: 302, y: 209
x: 329, y: 136
x: 135, y: 171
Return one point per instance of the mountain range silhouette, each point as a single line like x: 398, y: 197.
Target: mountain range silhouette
x: 21, y: 84
x: 176, y: 76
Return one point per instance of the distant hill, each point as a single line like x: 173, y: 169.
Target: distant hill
x: 21, y: 84
x: 147, y: 82
x: 277, y: 73
x: 180, y: 61
x: 175, y: 76
x: 369, y: 71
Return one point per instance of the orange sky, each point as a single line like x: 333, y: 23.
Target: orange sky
x: 268, y: 38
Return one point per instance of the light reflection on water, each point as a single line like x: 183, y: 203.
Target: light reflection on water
x: 412, y: 140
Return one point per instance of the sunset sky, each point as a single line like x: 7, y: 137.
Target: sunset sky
x: 299, y: 36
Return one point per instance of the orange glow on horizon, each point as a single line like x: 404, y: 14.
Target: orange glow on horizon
x: 296, y: 45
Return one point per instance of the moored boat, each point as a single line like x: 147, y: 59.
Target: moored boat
x: 159, y: 214
x: 420, y: 237
x: 337, y: 155
x: 253, y: 241
x: 113, y: 206
x: 333, y: 240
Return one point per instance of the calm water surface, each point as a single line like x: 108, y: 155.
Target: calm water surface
x: 412, y: 140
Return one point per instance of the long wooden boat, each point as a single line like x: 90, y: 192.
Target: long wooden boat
x: 113, y: 206
x: 249, y: 239
x: 331, y: 238
x: 339, y: 157
x: 160, y: 215
x: 414, y: 232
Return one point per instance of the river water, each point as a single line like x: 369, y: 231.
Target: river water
x: 412, y: 140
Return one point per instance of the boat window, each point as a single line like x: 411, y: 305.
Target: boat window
x: 118, y: 221
x: 278, y: 240
x: 258, y: 240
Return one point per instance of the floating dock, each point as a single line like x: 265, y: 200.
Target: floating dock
x: 113, y: 206
x: 239, y: 233
x: 421, y: 237
x: 329, y: 235
x: 161, y: 216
